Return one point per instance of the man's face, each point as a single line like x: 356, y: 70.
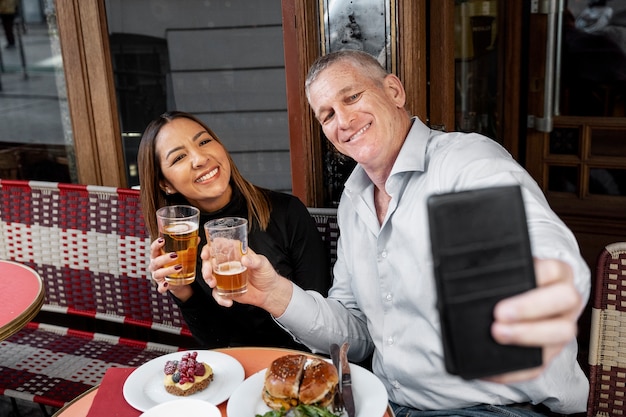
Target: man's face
x: 358, y: 114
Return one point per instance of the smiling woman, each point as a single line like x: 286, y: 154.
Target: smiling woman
x: 182, y: 161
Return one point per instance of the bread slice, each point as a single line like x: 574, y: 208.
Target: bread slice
x: 282, y: 380
x: 319, y: 382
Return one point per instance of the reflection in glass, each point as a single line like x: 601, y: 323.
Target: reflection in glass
x: 36, y: 141
x: 594, y: 58
x: 476, y: 66
x: 606, y: 181
x: 364, y: 25
x: 140, y: 68
x: 564, y: 141
x: 563, y: 179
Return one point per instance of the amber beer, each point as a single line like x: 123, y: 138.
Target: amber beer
x: 178, y: 226
x: 228, y: 242
x: 231, y: 278
x: 182, y: 238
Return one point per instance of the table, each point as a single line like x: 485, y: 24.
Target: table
x: 21, y: 296
x: 252, y: 359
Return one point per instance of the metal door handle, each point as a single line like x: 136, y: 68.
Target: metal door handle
x: 552, y: 77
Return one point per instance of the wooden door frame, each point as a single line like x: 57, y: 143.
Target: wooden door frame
x: 91, y: 92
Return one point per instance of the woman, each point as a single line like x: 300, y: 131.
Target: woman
x: 181, y: 161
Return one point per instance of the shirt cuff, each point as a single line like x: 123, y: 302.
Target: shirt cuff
x: 301, y: 303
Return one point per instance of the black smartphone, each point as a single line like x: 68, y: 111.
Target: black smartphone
x: 481, y: 254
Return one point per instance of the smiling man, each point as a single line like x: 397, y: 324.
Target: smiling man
x: 383, y: 298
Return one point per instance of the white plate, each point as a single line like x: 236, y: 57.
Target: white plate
x: 184, y: 407
x: 144, y: 387
x: 370, y: 396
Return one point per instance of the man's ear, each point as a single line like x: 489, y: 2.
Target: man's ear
x: 395, y: 90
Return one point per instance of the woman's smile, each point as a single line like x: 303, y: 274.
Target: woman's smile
x: 207, y: 176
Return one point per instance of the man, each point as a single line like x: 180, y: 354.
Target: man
x: 383, y: 298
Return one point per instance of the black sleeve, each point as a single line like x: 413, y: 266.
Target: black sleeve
x: 199, y: 313
x: 308, y: 255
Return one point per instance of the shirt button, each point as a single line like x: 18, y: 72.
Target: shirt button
x: 383, y: 254
x: 396, y: 384
x: 388, y: 297
x: 390, y: 341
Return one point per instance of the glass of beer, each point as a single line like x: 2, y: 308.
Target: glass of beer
x: 228, y: 240
x: 179, y: 225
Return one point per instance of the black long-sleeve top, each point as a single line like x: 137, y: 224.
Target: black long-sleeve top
x: 294, y: 247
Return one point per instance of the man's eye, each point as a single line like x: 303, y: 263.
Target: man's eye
x: 328, y: 116
x: 354, y: 97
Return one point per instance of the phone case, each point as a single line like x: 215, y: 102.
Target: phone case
x: 481, y: 254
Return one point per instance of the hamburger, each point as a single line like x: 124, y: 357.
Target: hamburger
x: 297, y: 379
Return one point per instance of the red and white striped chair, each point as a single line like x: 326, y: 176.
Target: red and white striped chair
x: 607, y: 352
x: 101, y: 310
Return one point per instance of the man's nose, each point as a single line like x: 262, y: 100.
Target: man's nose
x: 344, y: 118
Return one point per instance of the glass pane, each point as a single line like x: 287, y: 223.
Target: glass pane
x: 608, y: 142
x: 593, y: 76
x: 564, y: 141
x: 221, y: 61
x: 563, y: 179
x: 607, y: 181
x: 364, y: 25
x: 476, y: 61
x: 36, y: 141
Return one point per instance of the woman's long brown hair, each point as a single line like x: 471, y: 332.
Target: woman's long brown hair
x: 150, y: 175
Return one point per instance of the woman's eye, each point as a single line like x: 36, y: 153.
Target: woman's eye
x: 177, y: 158
x: 205, y: 141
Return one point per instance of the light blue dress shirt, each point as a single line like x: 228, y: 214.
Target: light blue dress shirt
x: 384, y: 297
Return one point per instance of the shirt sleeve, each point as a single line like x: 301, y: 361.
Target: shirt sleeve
x: 317, y: 322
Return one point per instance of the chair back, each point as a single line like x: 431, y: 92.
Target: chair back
x: 91, y: 247
x: 607, y: 350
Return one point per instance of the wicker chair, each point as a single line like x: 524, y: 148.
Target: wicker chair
x: 607, y: 353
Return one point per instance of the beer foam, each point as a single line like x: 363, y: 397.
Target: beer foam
x: 231, y: 268
x: 182, y: 227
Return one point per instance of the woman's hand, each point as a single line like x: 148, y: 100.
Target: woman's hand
x: 266, y: 289
x: 159, y: 270
x: 545, y: 316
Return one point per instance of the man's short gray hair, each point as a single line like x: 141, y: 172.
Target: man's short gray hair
x: 368, y: 64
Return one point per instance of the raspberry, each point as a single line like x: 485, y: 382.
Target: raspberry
x: 170, y: 367
x: 199, y: 369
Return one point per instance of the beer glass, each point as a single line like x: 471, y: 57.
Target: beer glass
x: 179, y: 225
x: 228, y: 240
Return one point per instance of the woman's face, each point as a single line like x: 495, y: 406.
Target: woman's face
x: 193, y: 164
